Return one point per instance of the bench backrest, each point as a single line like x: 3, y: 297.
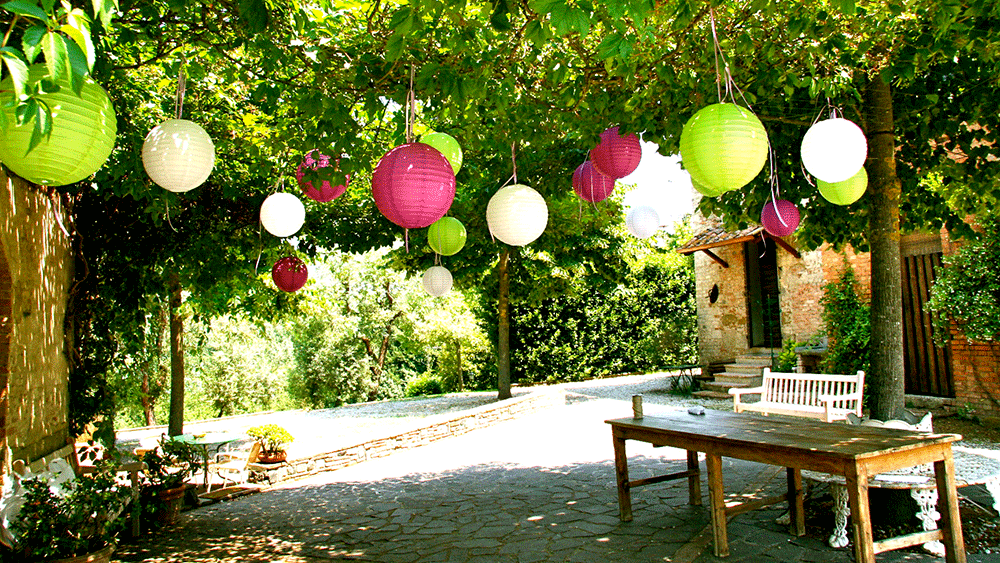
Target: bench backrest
x: 806, y: 388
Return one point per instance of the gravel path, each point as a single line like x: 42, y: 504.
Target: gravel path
x: 323, y: 430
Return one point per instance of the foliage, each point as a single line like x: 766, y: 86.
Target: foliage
x: 425, y: 384
x: 647, y: 323
x: 170, y: 464
x: 848, y: 325
x: 61, y: 515
x: 967, y: 289
x: 786, y: 360
x: 272, y: 438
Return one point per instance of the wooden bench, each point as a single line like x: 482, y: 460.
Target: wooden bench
x: 813, y: 395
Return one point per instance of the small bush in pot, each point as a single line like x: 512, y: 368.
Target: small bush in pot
x: 55, y: 514
x: 272, y: 439
x: 168, y: 467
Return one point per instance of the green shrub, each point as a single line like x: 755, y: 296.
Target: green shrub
x: 426, y: 384
x: 848, y: 325
x: 786, y: 361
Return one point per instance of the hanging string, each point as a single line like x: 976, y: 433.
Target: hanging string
x: 179, y: 97
x: 260, y: 248
x: 513, y: 159
x: 167, y: 201
x: 411, y: 108
x: 729, y: 82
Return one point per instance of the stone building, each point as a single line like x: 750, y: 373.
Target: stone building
x: 755, y: 292
x: 35, y: 274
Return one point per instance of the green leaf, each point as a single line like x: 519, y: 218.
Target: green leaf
x: 614, y: 46
x: 47, y: 5
x: 56, y: 58
x: 255, y: 14
x: 79, y: 68
x: 78, y: 28
x: 31, y: 42
x: 17, y: 68
x: 394, y: 47
x: 103, y: 9
x: 500, y: 18
x: 27, y: 9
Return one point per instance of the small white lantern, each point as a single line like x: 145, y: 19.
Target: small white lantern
x: 834, y: 150
x: 437, y: 281
x: 642, y: 221
x: 178, y: 155
x: 282, y: 214
x: 517, y: 215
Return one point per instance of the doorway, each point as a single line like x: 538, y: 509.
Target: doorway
x: 763, y: 311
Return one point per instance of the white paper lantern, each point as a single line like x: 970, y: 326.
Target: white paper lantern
x: 834, y: 150
x: 282, y: 214
x: 642, y: 221
x: 178, y: 155
x: 437, y: 281
x: 517, y: 215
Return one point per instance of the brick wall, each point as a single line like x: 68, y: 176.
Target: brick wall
x: 35, y: 275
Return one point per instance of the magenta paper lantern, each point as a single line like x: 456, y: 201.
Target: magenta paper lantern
x: 289, y: 274
x: 413, y: 185
x: 590, y: 184
x: 780, y: 218
x: 326, y: 192
x: 616, y: 156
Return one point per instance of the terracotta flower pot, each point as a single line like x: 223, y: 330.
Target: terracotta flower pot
x: 172, y: 500
x: 273, y: 457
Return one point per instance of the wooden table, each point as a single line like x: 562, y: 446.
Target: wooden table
x: 854, y: 452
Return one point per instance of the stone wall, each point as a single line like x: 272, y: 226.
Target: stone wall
x: 722, y: 326
x: 35, y: 276
x: 426, y: 431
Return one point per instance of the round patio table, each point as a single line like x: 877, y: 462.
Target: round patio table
x: 207, y: 440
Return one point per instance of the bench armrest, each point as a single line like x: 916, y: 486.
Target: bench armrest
x: 828, y: 400
x: 736, y: 391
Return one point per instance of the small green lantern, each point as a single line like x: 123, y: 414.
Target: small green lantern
x: 446, y: 236
x: 447, y: 145
x: 82, y: 136
x: 846, y: 192
x: 724, y: 146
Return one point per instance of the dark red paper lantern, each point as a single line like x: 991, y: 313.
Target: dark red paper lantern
x: 590, y: 184
x: 616, y: 156
x: 289, y: 274
x: 780, y: 218
x: 326, y: 192
x: 413, y: 185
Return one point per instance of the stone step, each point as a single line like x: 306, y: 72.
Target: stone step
x: 711, y: 395
x: 738, y: 379
x: 724, y: 387
x: 748, y: 360
x: 745, y: 368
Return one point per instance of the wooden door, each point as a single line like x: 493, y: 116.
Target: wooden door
x: 763, y: 311
x: 927, y: 366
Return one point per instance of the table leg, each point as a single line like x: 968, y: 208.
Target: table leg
x: 204, y: 450
x: 796, y: 504
x: 928, y: 516
x: 716, y: 495
x: 694, y: 481
x: 621, y: 473
x: 841, y: 512
x: 951, y: 525
x: 861, y: 521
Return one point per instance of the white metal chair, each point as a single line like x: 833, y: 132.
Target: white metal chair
x: 235, y: 466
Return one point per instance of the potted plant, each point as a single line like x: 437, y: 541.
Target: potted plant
x: 168, y: 467
x: 272, y: 439
x: 56, y: 516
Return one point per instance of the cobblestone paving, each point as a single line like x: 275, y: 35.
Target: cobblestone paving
x: 540, y: 488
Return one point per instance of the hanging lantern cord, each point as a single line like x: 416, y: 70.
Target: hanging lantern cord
x: 513, y: 158
x: 730, y: 83
x: 411, y: 108
x: 260, y: 249
x: 168, y: 215
x: 179, y: 98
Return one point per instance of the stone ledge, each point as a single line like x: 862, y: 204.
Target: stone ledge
x: 425, y: 432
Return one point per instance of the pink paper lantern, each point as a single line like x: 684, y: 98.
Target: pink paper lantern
x: 616, y: 156
x: 780, y: 218
x: 590, y: 184
x: 413, y: 185
x: 289, y: 274
x: 327, y: 191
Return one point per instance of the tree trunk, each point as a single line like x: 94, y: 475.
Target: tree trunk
x: 176, y: 424
x: 503, y: 330
x: 458, y: 362
x: 885, y: 383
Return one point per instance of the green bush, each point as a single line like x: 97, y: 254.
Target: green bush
x: 787, y: 360
x: 425, y: 384
x: 848, y: 325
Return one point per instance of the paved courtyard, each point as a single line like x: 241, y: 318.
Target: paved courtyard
x: 539, y: 488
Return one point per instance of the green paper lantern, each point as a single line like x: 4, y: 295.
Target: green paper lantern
x: 82, y: 137
x: 446, y: 236
x: 705, y: 190
x: 448, y: 146
x: 846, y: 192
x: 724, y: 146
